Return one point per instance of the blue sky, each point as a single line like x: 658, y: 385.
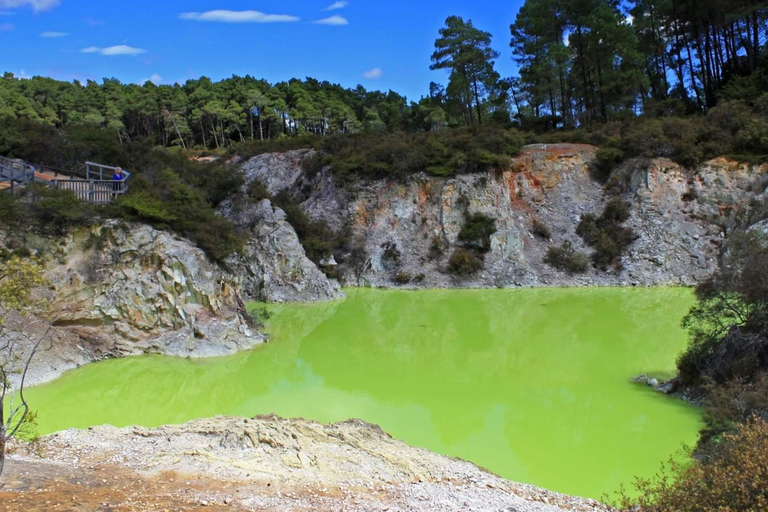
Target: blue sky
x: 381, y: 45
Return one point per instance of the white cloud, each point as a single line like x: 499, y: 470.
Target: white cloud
x: 37, y: 5
x: 7, y: 27
x: 54, y: 35
x: 114, y: 50
x: 156, y: 79
x: 373, y: 74
x: 222, y: 16
x: 336, y: 6
x: 335, y: 20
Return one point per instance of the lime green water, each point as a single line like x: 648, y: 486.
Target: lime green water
x: 532, y: 384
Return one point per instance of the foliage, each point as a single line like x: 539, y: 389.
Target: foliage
x: 403, y: 278
x: 168, y: 189
x: 565, y: 257
x: 726, y: 406
x: 466, y: 51
x: 436, y: 248
x: 476, y: 232
x: 55, y: 211
x: 606, y: 234
x: 146, y: 207
x: 736, y: 478
x: 375, y: 155
x: 391, y: 256
x: 19, y: 278
x: 464, y: 262
x: 728, y: 325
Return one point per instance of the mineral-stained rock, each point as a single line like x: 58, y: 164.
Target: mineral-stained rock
x: 680, y: 215
x: 129, y: 288
x: 122, y: 289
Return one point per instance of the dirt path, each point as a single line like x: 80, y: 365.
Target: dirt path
x: 42, y: 486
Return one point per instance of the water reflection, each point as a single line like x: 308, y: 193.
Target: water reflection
x: 531, y: 384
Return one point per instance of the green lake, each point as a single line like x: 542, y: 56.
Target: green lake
x: 531, y: 384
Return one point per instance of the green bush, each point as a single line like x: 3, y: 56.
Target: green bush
x: 735, y: 478
x: 374, y: 155
x: 728, y: 325
x: 606, y: 234
x: 318, y: 239
x: 464, y: 262
x: 436, y: 248
x: 145, y: 207
x: 403, y: 278
x: 55, y: 211
x: 391, y: 256
x: 606, y: 160
x: 566, y: 258
x: 477, y: 231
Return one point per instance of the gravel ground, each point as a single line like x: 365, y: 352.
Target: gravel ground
x: 265, y: 463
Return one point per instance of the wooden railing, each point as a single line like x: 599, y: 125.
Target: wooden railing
x: 95, y: 188
x: 15, y: 172
x: 93, y: 191
x: 93, y: 183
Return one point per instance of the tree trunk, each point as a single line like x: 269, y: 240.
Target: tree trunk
x: 215, y: 135
x: 2, y: 450
x: 584, y: 78
x: 477, y: 102
x: 179, y: 134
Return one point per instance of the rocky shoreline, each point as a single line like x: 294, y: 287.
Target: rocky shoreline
x: 264, y: 463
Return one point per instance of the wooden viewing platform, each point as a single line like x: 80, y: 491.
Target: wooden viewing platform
x: 93, y: 183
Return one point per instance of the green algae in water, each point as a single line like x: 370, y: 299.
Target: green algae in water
x: 531, y: 384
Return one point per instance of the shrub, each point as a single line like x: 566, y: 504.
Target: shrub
x: 146, y: 207
x: 377, y: 154
x: 735, y: 479
x: 257, y: 191
x: 729, y: 405
x: 403, y: 278
x: 566, y: 258
x: 728, y: 325
x: 391, y: 256
x: 464, y: 262
x: 56, y: 211
x: 540, y: 229
x: 436, y: 249
x: 477, y: 231
x: 606, y: 234
x: 606, y: 161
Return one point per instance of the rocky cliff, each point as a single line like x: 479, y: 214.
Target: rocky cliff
x: 681, y: 217
x: 122, y: 289
x: 274, y: 266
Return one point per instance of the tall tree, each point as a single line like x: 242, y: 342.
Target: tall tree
x: 467, y: 52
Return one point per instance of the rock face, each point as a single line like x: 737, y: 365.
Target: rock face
x: 274, y: 266
x: 124, y: 289
x: 278, y: 464
x: 276, y: 170
x: 680, y: 216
